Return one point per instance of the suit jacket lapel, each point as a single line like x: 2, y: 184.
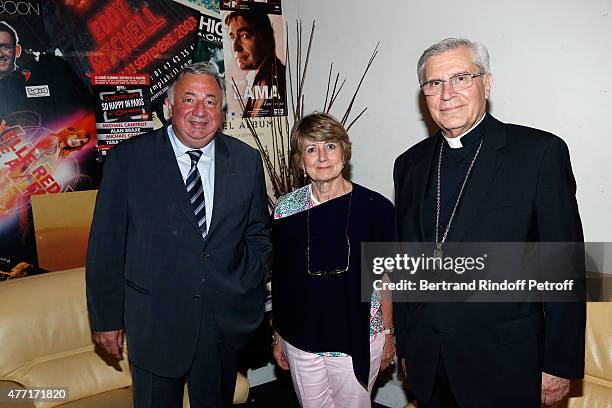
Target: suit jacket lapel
x: 422, y: 170
x: 222, y: 181
x: 171, y: 178
x: 483, y: 173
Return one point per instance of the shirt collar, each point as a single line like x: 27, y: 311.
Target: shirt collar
x: 455, y: 142
x: 180, y: 149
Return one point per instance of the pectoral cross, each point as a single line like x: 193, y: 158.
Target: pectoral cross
x: 438, y: 251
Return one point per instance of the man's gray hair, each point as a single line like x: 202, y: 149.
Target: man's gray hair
x: 198, y: 68
x: 480, y: 54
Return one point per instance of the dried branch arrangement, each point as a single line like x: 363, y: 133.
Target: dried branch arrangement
x: 276, y: 159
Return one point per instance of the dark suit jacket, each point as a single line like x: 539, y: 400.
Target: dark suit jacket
x: 521, y: 189
x: 148, y: 267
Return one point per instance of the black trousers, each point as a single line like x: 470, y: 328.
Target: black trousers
x: 211, y: 379
x: 442, y: 394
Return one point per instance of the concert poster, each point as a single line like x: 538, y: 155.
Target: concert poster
x: 127, y: 37
x: 123, y: 108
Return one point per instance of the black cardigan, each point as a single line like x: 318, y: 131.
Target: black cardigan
x: 325, y: 313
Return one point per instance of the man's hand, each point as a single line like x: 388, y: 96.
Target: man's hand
x: 388, y: 352
x: 554, y: 389
x: 111, y: 342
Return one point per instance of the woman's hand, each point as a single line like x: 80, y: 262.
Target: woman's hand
x: 279, y: 354
x: 388, y: 351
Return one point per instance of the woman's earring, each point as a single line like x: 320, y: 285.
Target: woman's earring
x: 304, y: 173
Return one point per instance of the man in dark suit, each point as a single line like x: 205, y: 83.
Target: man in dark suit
x: 480, y: 180
x: 177, y: 250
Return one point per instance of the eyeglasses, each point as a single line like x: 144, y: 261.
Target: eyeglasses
x: 458, y: 82
x: 348, y: 245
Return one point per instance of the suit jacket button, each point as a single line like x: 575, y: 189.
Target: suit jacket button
x: 196, y: 297
x: 435, y: 330
x: 205, y: 256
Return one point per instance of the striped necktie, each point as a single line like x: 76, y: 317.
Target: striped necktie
x: 195, y: 190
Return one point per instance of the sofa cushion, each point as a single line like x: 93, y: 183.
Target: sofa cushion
x: 587, y: 394
x: 46, y: 340
x: 598, y: 338
x: 593, y: 395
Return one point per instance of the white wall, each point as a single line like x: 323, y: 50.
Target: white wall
x: 551, y: 61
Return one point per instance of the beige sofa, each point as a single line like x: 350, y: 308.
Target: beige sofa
x: 45, y: 341
x: 595, y: 390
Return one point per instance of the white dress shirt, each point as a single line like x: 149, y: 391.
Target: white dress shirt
x: 206, y: 167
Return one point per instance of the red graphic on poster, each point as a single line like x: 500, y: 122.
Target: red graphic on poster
x: 124, y: 37
x: 118, y: 30
x: 38, y: 160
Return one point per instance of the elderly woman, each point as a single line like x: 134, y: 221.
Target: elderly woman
x: 333, y: 343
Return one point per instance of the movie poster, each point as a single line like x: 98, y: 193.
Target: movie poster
x: 254, y: 49
x: 47, y: 130
x: 126, y: 37
x: 123, y: 108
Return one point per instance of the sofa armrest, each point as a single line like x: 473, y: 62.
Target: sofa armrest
x: 241, y: 392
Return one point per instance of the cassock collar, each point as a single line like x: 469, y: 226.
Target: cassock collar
x: 466, y: 138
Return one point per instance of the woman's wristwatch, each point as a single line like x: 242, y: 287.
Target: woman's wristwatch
x: 390, y: 331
